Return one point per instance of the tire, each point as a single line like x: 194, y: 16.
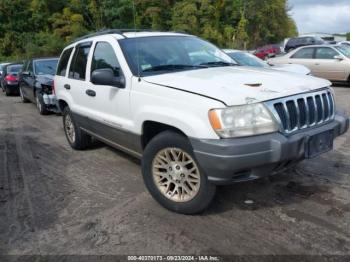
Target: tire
x: 40, y: 105
x: 7, y: 91
x: 161, y: 186
x: 76, y: 137
x: 23, y: 99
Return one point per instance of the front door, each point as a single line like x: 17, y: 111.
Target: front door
x: 107, y: 106
x: 327, y: 66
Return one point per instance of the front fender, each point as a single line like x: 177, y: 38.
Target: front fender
x: 191, y: 123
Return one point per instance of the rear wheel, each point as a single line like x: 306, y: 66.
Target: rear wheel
x: 40, y: 104
x: 173, y: 176
x: 7, y: 91
x: 76, y: 137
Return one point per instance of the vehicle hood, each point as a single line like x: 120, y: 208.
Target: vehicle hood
x: 239, y: 85
x: 45, y: 79
x: 299, y: 69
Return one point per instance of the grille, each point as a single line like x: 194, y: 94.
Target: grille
x: 303, y: 111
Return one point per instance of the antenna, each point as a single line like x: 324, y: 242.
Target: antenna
x: 137, y: 46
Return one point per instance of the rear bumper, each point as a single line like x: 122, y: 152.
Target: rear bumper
x: 12, y: 87
x: 228, y: 161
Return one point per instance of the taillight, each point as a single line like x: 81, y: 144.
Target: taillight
x: 11, y: 78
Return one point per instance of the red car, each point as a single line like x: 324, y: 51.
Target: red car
x: 267, y: 50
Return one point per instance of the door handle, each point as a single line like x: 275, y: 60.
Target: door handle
x: 90, y: 92
x: 66, y: 86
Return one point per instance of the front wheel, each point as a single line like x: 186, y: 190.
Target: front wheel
x: 40, y: 104
x: 23, y: 98
x: 173, y: 176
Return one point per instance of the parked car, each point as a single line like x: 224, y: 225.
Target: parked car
x: 327, y: 61
x: 267, y: 51
x: 246, y: 59
x: 196, y: 121
x: 36, y: 84
x: 297, y: 42
x: 2, y: 65
x: 345, y: 43
x: 9, y: 80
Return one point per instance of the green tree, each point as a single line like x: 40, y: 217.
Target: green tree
x: 43, y: 27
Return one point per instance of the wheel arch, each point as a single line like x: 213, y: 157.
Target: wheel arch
x: 62, y: 104
x: 150, y: 129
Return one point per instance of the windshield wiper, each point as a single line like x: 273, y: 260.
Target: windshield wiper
x: 218, y: 63
x: 173, y: 67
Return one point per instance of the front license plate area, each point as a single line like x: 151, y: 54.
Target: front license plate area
x: 319, y: 144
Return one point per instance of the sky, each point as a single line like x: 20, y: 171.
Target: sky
x: 324, y: 16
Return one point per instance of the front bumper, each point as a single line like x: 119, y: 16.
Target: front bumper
x: 227, y: 161
x: 51, y: 102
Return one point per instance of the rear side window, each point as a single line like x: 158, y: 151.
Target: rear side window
x: 105, y: 57
x: 78, y: 66
x: 305, y: 53
x: 62, y: 66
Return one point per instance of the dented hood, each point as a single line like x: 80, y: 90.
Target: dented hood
x: 239, y: 85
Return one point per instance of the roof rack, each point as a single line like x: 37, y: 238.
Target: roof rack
x: 112, y: 31
x: 117, y: 31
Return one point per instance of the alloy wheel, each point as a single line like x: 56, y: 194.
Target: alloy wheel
x: 176, y: 174
x: 69, y: 129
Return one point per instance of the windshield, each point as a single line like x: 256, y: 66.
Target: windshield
x: 14, y: 69
x: 344, y: 49
x: 246, y: 59
x: 163, y: 54
x: 46, y: 67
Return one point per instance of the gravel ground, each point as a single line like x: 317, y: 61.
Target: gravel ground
x: 54, y: 200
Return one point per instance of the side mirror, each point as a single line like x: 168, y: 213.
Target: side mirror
x: 106, y: 77
x: 339, y: 57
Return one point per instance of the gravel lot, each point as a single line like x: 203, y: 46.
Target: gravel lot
x: 54, y: 200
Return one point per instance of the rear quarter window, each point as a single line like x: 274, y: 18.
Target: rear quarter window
x: 63, y: 63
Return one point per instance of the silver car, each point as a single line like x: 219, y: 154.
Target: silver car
x: 331, y: 62
x: 244, y: 58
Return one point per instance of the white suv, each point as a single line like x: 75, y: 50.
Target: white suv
x: 193, y: 116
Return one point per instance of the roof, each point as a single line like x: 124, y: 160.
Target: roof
x: 44, y: 58
x: 325, y: 45
x: 231, y: 50
x: 12, y: 64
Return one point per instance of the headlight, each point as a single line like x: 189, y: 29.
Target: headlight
x: 240, y: 121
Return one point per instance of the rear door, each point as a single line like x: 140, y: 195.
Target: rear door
x: 27, y: 81
x: 304, y: 56
x: 76, y: 83
x: 326, y: 66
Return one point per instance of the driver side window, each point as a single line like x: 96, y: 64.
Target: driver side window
x: 105, y: 57
x: 325, y: 53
